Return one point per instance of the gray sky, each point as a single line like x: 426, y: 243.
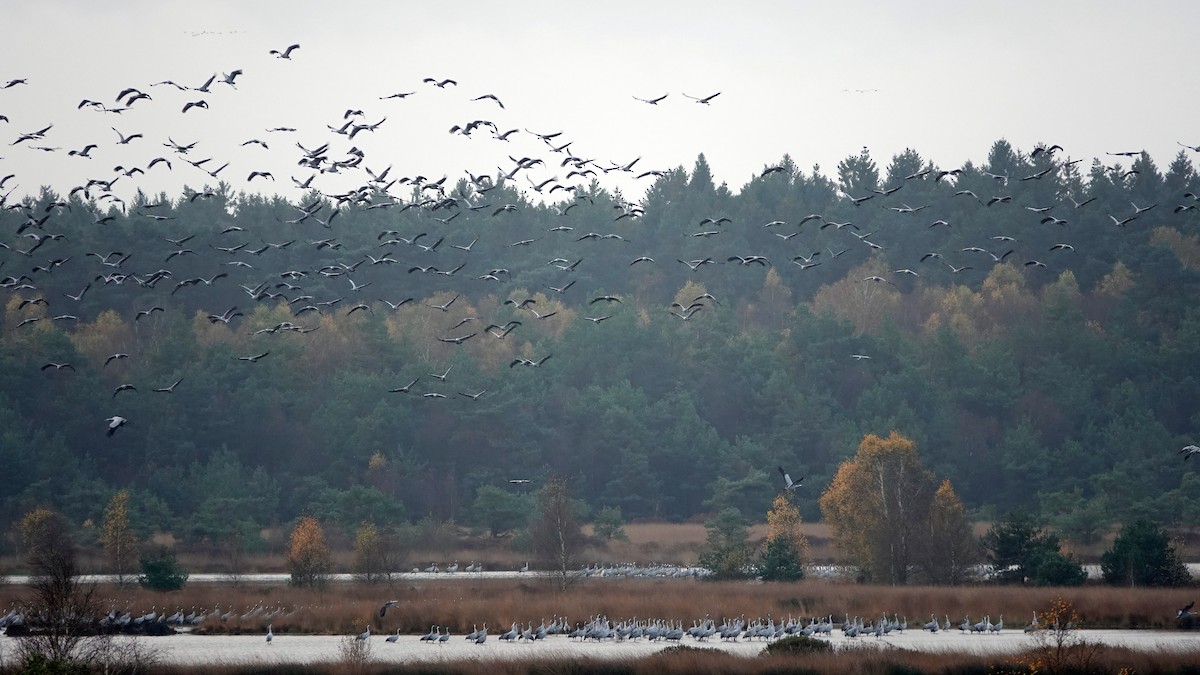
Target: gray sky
x: 944, y: 78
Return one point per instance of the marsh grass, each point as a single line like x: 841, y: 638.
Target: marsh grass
x: 464, y: 603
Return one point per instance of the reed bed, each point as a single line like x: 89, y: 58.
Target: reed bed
x: 464, y: 603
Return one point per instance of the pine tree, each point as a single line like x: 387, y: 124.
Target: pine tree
x: 728, y: 556
x: 858, y: 176
x: 161, y: 571
x: 1142, y: 555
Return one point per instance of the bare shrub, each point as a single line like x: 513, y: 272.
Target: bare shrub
x: 354, y: 653
x: 1059, y: 648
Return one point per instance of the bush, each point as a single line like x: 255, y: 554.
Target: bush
x: 354, y: 653
x: 798, y: 645
x: 161, y: 571
x: 609, y: 524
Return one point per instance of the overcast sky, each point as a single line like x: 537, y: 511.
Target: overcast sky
x: 815, y: 80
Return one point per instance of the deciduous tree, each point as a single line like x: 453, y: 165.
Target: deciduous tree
x: 309, y: 559
x: 557, y: 538
x: 376, y: 553
x: 877, y: 505
x: 950, y: 550
x: 59, y: 610
x: 120, y: 543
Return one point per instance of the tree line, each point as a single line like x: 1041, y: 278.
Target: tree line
x: 1061, y: 388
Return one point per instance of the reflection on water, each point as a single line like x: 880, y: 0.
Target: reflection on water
x: 229, y: 649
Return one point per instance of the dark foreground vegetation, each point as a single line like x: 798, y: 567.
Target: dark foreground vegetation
x: 688, y: 661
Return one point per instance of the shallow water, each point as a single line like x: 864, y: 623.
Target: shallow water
x: 190, y: 649
x: 814, y: 571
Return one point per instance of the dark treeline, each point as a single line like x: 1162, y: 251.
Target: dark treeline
x: 1036, y: 364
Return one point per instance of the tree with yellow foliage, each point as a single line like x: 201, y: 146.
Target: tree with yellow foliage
x: 866, y: 304
x: 120, y: 543
x: 878, y: 505
x: 106, y: 335
x: 44, y: 534
x: 786, y: 549
x: 950, y: 549
x: 309, y: 559
x: 366, y: 553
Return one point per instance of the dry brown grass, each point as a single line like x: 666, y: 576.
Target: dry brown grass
x: 464, y: 603
x: 677, y: 543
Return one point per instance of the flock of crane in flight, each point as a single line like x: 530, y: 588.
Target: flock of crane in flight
x: 432, y: 198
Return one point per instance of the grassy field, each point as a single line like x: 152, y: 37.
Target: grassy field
x: 673, y: 543
x: 463, y: 602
